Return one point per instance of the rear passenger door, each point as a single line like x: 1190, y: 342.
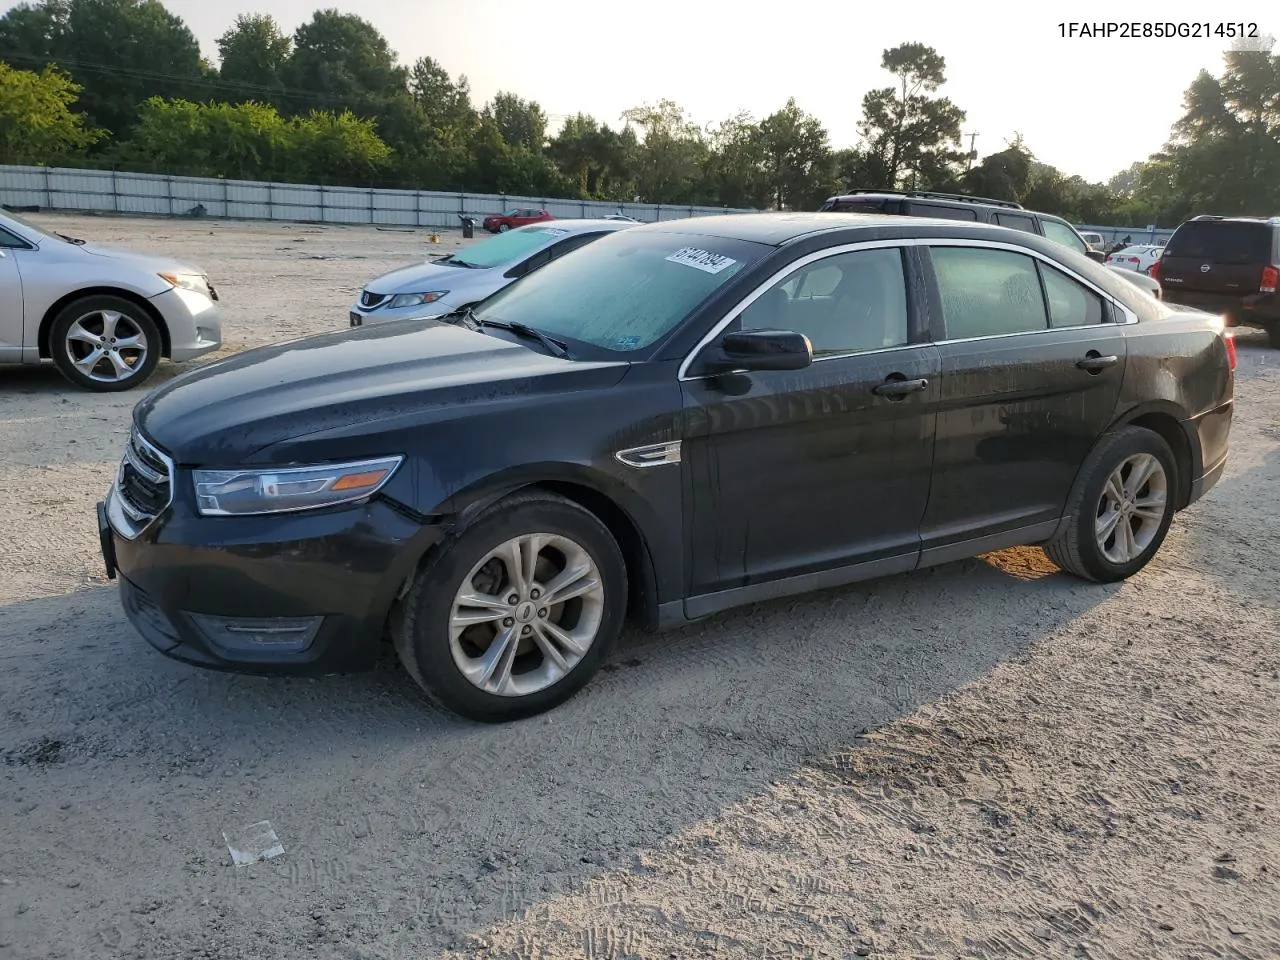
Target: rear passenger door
x: 1032, y: 360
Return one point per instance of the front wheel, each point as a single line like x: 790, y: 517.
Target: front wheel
x: 514, y: 615
x: 504, y: 227
x: 105, y: 343
x: 1120, y: 508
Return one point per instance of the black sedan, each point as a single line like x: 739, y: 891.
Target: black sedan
x: 677, y: 419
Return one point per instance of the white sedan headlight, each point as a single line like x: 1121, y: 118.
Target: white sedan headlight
x: 195, y: 282
x: 237, y: 493
x: 415, y: 299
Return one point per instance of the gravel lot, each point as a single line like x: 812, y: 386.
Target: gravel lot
x: 985, y: 760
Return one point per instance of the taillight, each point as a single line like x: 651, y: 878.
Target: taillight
x: 1153, y: 271
x: 1231, y: 348
x: 1270, y: 279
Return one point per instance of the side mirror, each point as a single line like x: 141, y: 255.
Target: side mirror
x: 1096, y: 255
x: 764, y: 350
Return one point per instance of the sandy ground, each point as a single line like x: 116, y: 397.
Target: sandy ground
x: 986, y: 760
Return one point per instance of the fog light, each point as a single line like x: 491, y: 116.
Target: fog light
x: 257, y: 634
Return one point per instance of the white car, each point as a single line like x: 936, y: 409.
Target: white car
x: 1139, y: 257
x: 463, y: 279
x: 104, y: 317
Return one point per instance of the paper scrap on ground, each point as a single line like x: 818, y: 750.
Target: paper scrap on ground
x: 258, y: 841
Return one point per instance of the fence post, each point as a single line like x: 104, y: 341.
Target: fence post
x: 417, y: 203
x: 115, y: 192
x: 168, y: 188
x: 48, y: 190
x: 371, y: 220
x: 271, y: 209
x: 226, y: 198
x: 324, y: 217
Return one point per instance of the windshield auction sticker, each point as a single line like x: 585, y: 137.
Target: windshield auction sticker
x: 703, y: 260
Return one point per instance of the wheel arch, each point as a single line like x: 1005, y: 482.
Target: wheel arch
x: 1169, y: 422
x: 46, y: 322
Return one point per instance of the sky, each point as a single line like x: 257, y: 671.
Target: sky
x: 1089, y: 106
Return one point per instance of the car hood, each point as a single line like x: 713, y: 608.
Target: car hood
x: 229, y: 411
x: 425, y: 277
x: 140, y: 261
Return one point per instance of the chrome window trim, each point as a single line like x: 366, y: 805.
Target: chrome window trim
x: 1130, y: 317
x: 682, y: 374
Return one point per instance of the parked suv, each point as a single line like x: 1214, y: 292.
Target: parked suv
x: 955, y: 206
x: 1227, y: 265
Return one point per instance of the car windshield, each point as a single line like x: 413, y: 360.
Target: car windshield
x: 1220, y: 241
x: 39, y: 231
x: 505, y: 247
x: 625, y: 291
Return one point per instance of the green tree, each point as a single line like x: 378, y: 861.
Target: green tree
x: 1002, y: 176
x: 735, y: 170
x: 446, y: 103
x: 254, y: 58
x: 671, y: 155
x: 595, y: 158
x: 119, y: 51
x: 521, y: 122
x: 796, y: 158
x: 338, y: 148
x: 914, y: 137
x: 343, y: 63
x: 37, y: 122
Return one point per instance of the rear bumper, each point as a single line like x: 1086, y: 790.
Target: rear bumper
x: 1255, y: 309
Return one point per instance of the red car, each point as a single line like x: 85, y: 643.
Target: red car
x: 502, y: 222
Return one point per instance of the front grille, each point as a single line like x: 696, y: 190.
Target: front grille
x: 370, y: 300
x: 145, y: 480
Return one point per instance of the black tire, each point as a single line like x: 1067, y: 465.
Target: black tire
x: 1075, y: 548
x: 420, y: 628
x: 1273, y: 335
x: 504, y: 227
x: 131, y: 316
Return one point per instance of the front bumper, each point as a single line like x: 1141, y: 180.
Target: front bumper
x: 304, y: 593
x: 358, y: 316
x: 193, y: 320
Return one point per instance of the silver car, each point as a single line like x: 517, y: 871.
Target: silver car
x: 104, y: 317
x: 462, y: 279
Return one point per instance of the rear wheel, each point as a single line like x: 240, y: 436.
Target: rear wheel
x: 105, y: 343
x: 514, y: 615
x: 1120, y: 509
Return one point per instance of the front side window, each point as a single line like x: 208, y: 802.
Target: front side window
x: 847, y: 303
x: 1063, y: 234
x: 7, y: 239
x: 988, y: 293
x: 1070, y: 304
x: 625, y: 291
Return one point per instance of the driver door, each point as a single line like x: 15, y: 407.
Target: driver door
x: 823, y: 473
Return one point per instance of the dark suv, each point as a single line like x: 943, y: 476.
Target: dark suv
x: 1227, y: 265
x: 955, y: 206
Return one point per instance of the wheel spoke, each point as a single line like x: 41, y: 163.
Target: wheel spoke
x: 572, y: 582
x: 473, y: 608
x: 553, y: 633
x: 1128, y: 545
x: 530, y: 549
x: 549, y: 648
x: 513, y: 560
x: 497, y: 661
x: 79, y: 333
x: 1107, y: 526
x: 1150, y: 508
x: 89, y: 361
x: 136, y: 342
x: 1143, y: 469
x: 123, y: 369
x: 109, y: 321
x: 1115, y: 489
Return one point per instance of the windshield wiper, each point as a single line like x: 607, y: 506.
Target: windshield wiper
x: 553, y: 347
x: 76, y: 240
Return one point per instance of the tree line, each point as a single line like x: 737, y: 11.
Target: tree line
x: 122, y: 83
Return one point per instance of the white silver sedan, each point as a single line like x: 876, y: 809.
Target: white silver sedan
x: 104, y: 317
x: 1138, y: 257
x: 462, y: 279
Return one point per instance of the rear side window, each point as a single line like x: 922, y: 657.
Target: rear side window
x: 944, y: 213
x: 988, y: 293
x: 1016, y: 221
x: 1217, y: 241
x: 1070, y: 304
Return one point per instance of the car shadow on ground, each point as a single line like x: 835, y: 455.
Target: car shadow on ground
x: 473, y: 822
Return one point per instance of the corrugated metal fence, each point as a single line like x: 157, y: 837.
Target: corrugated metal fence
x: 1112, y: 235
x: 149, y: 194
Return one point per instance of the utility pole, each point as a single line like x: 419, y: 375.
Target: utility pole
x: 972, y: 153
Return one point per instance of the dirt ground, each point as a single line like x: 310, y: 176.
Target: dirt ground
x: 989, y: 759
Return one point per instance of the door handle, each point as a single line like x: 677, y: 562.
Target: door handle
x: 897, y: 389
x: 1095, y: 363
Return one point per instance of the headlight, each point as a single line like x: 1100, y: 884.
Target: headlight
x: 236, y: 493
x: 415, y: 299
x: 195, y: 282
